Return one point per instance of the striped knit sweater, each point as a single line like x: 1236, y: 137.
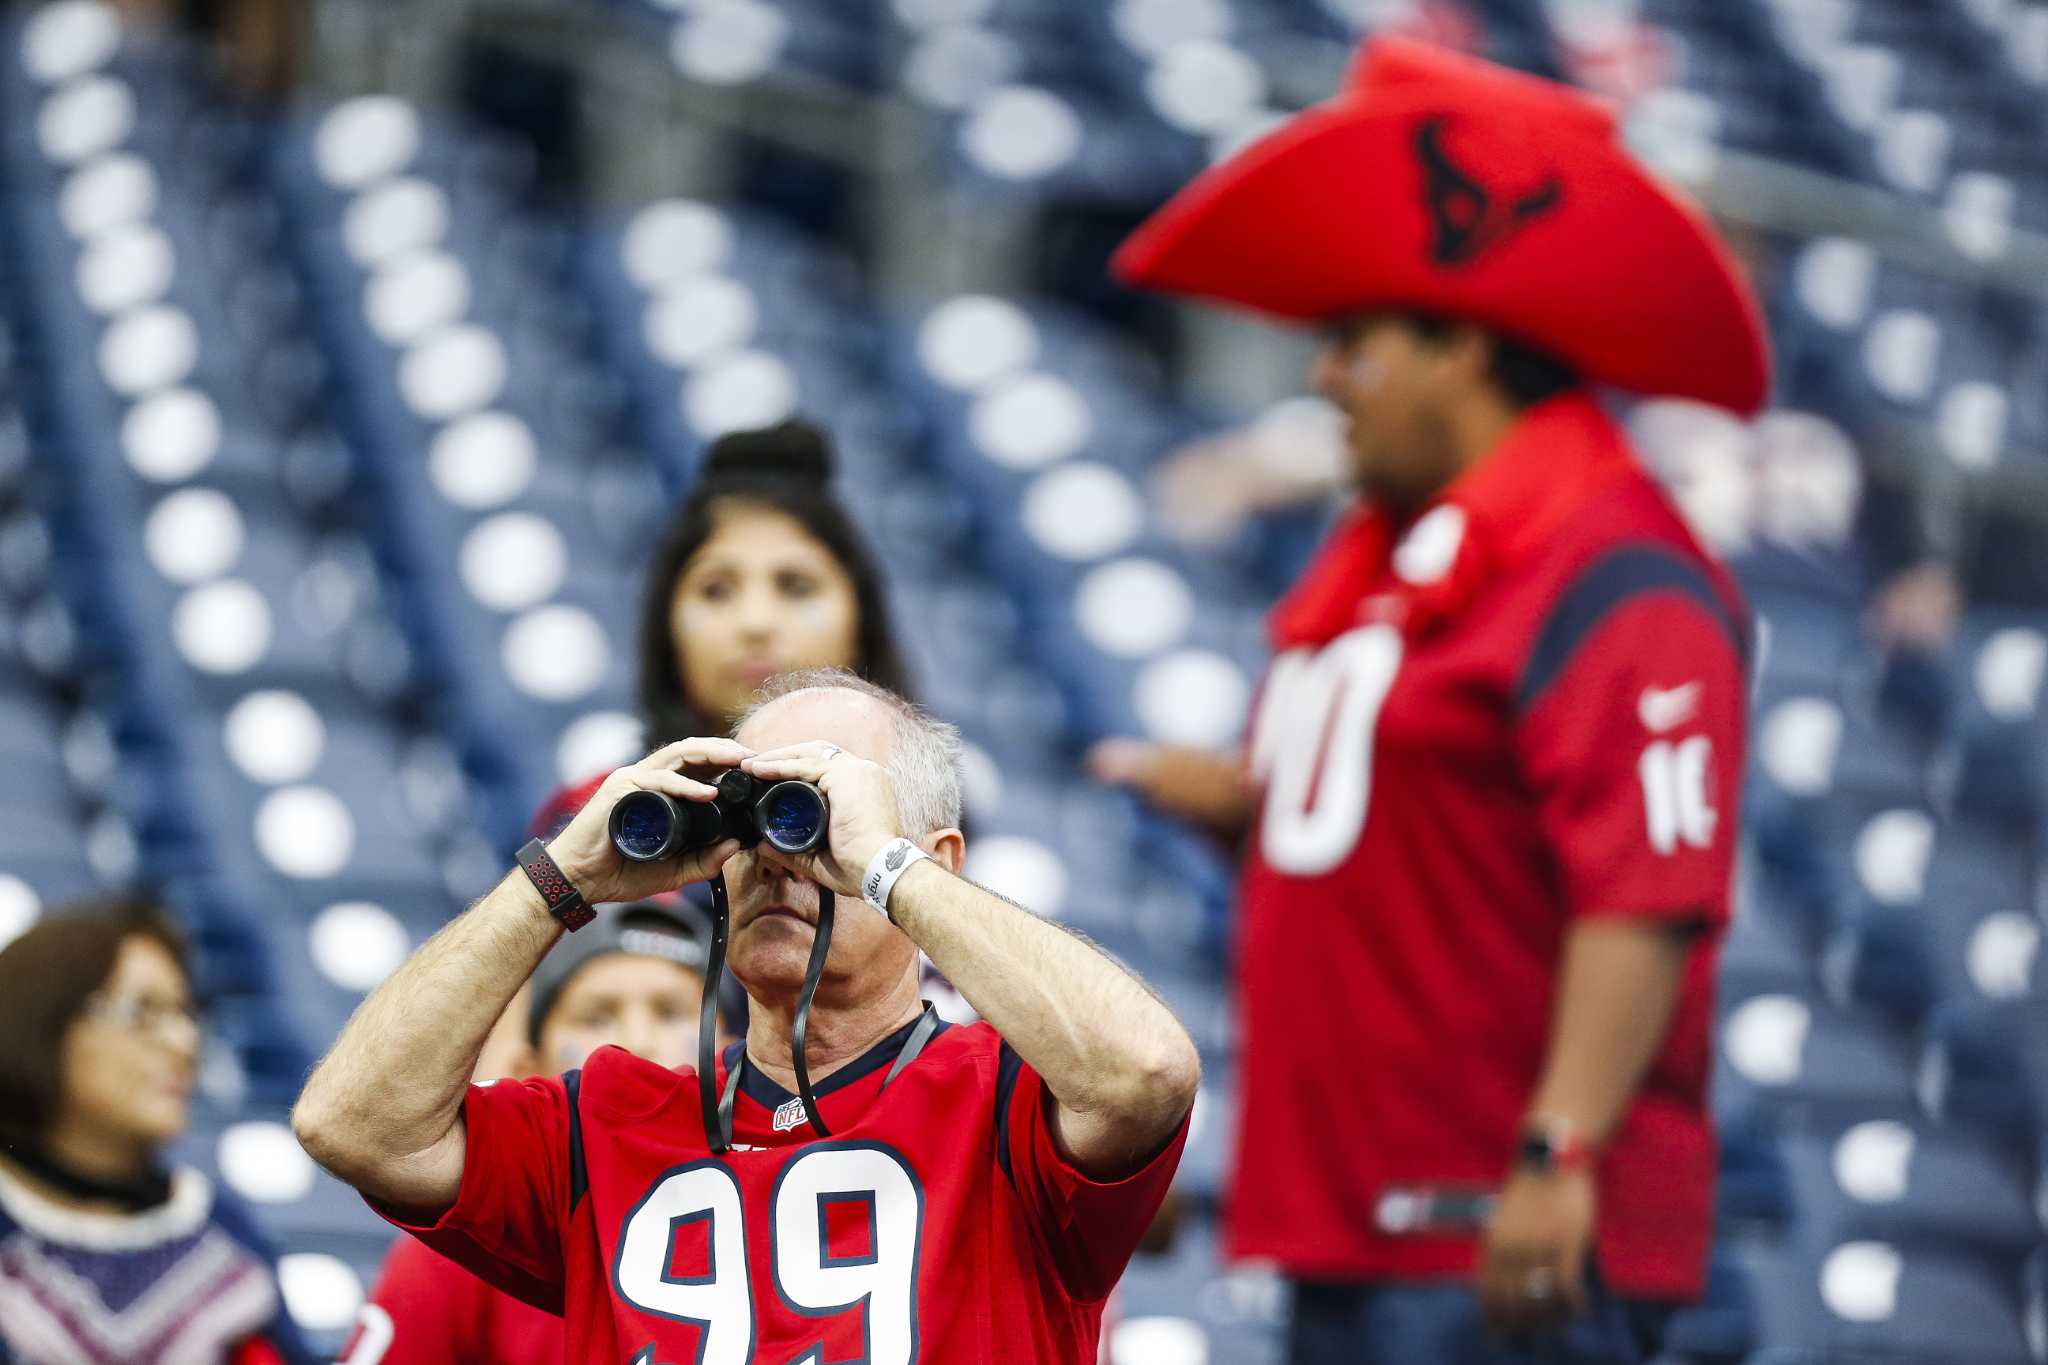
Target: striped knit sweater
x: 189, y: 1282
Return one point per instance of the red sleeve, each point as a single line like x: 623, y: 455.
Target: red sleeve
x: 1631, y: 740
x: 507, y: 1222
x: 421, y: 1311
x: 1091, y: 1227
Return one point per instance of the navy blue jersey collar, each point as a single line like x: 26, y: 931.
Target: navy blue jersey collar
x: 766, y: 1092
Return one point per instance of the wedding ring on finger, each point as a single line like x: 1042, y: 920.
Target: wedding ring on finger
x: 832, y: 751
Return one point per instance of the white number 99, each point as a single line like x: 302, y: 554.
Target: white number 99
x: 808, y: 1277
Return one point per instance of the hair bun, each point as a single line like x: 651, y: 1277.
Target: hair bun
x: 794, y: 450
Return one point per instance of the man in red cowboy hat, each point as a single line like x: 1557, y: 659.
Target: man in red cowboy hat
x: 1491, y: 780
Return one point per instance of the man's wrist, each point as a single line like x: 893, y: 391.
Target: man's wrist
x: 904, y: 897
x: 1551, y: 1144
x: 517, y: 896
x: 572, y: 869
x: 560, y: 895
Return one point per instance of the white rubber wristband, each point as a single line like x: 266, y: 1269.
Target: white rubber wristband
x: 891, y: 861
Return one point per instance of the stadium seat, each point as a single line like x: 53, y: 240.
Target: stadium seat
x: 1721, y: 1328
x: 1233, y: 1311
x: 1804, y: 635
x: 1912, y: 1183
x: 1872, y: 1300
x: 1879, y: 962
x: 1984, y: 1064
x: 1796, y: 1053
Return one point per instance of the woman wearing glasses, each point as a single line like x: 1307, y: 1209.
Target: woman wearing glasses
x: 105, y: 1252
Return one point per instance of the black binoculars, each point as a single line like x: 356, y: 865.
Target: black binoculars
x: 791, y: 816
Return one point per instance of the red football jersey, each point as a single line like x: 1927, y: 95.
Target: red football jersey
x: 427, y: 1310
x: 938, y: 1223
x: 1524, y: 706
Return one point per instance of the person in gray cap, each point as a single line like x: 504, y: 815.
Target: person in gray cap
x: 633, y: 978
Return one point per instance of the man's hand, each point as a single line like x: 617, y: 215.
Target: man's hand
x: 1919, y: 609
x: 1532, y: 1256
x: 1292, y: 456
x: 863, y: 810
x: 584, y: 850
x: 1617, y: 986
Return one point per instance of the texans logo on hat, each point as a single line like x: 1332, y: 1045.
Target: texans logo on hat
x: 1436, y: 182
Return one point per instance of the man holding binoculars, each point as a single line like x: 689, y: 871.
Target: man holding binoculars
x: 981, y: 1187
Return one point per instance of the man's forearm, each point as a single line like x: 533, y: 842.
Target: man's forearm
x: 1104, y: 1044
x: 1210, y: 789
x: 1618, y: 985
x: 393, y: 1083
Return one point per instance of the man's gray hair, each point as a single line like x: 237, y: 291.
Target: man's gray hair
x: 924, y: 762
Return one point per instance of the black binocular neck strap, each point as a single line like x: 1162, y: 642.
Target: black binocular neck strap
x: 717, y: 1107
x: 821, y: 948
x: 927, y: 1025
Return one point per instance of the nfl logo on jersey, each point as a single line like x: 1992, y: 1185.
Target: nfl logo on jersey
x: 789, y: 1115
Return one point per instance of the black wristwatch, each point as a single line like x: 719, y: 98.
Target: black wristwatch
x: 1552, y: 1147
x: 564, y: 901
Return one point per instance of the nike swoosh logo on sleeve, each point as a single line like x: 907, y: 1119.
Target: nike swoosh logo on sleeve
x: 1665, y: 708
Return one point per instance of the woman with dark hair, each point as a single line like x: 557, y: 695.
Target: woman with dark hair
x: 104, y: 1253
x: 760, y: 572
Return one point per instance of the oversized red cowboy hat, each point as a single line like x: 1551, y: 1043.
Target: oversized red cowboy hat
x: 1445, y: 184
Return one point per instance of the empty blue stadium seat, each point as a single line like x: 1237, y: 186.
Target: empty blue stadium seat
x: 1721, y: 1328
x: 1797, y: 1053
x: 1985, y: 1064
x: 1236, y: 1312
x: 1879, y: 961
x: 1912, y: 1183
x: 1914, y: 690
x: 1752, y: 1187
x: 1870, y: 1300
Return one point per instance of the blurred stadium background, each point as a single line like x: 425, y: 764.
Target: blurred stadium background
x: 349, y: 355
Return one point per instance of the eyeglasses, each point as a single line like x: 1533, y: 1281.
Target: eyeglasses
x: 139, y: 1014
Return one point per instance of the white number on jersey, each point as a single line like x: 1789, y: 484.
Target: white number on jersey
x: 719, y: 1301
x: 1675, y: 804
x: 374, y: 1338
x: 1312, y: 747
x: 807, y: 1276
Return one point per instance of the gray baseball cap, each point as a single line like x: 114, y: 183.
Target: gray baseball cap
x: 671, y: 929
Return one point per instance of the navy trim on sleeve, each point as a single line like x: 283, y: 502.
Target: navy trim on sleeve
x: 579, y: 1174
x: 1008, y: 1065
x: 1616, y: 578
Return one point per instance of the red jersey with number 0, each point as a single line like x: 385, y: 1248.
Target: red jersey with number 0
x: 1523, y: 707
x: 938, y: 1223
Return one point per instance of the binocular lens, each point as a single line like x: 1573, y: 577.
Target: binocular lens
x: 644, y: 825
x: 792, y: 816
x: 649, y: 826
